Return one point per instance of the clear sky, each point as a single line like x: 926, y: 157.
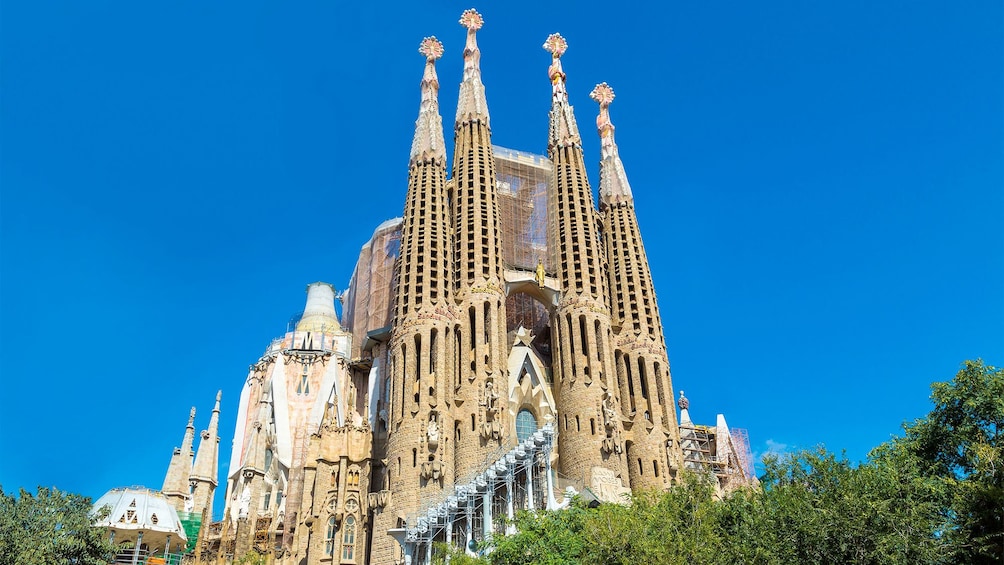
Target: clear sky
x: 820, y: 188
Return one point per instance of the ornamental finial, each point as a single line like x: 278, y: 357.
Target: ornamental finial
x: 604, y: 95
x: 556, y: 45
x: 431, y: 47
x: 471, y: 19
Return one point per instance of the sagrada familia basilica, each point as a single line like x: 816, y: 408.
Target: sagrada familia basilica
x: 500, y: 348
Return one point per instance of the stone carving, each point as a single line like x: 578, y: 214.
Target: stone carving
x: 491, y: 427
x: 608, y: 486
x: 683, y: 403
x: 378, y: 499
x: 612, y: 441
x: 433, y: 471
x: 242, y: 511
x: 432, y: 432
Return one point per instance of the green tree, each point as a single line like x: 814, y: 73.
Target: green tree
x: 961, y: 442
x: 50, y: 528
x: 813, y: 507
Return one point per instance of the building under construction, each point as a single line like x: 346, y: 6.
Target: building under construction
x: 500, y: 348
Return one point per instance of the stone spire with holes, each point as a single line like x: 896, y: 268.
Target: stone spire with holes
x: 586, y: 393
x: 478, y: 271
x: 419, y: 456
x: 645, y: 386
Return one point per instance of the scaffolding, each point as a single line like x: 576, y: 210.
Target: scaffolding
x: 722, y: 452
x: 262, y: 535
x: 741, y: 445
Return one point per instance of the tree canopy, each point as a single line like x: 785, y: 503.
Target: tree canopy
x: 50, y: 528
x: 932, y: 496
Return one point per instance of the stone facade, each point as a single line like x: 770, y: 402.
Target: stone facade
x: 349, y: 430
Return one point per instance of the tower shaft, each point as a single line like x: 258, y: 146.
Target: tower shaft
x: 642, y: 365
x: 589, y: 436
x: 419, y: 455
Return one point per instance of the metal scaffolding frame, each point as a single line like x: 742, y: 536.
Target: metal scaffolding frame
x: 520, y: 479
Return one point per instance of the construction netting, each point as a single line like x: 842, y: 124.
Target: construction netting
x: 369, y: 301
x: 191, y: 522
x: 522, y: 181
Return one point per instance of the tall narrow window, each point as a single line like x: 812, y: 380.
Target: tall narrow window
x: 304, y: 386
x: 329, y: 539
x: 349, y: 538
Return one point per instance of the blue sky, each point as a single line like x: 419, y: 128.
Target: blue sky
x: 820, y: 188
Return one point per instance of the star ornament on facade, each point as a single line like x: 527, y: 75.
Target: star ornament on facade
x: 471, y: 19
x: 603, y: 94
x: 431, y: 47
x: 556, y: 45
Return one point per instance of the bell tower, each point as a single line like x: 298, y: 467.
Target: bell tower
x: 589, y: 428
x: 420, y: 457
x: 481, y: 379
x: 642, y: 365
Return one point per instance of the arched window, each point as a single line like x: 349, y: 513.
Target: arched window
x: 329, y: 540
x: 349, y: 538
x: 268, y: 457
x: 526, y: 424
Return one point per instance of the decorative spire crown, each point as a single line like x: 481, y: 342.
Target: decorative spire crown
x: 473, y: 104
x: 614, y: 186
x: 556, y: 45
x: 563, y: 130
x: 428, y: 139
x: 604, y: 95
x: 191, y: 417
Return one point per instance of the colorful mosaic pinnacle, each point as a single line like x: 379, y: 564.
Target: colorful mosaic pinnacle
x: 431, y: 47
x: 603, y: 94
x: 556, y: 45
x: 471, y: 19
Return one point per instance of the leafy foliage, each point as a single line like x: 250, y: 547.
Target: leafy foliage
x: 934, y: 496
x: 961, y: 443
x: 50, y: 528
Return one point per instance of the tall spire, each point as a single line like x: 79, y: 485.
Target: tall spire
x: 614, y: 187
x: 428, y: 143
x: 564, y: 131
x: 205, y: 474
x: 473, y: 105
x: 176, y: 481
